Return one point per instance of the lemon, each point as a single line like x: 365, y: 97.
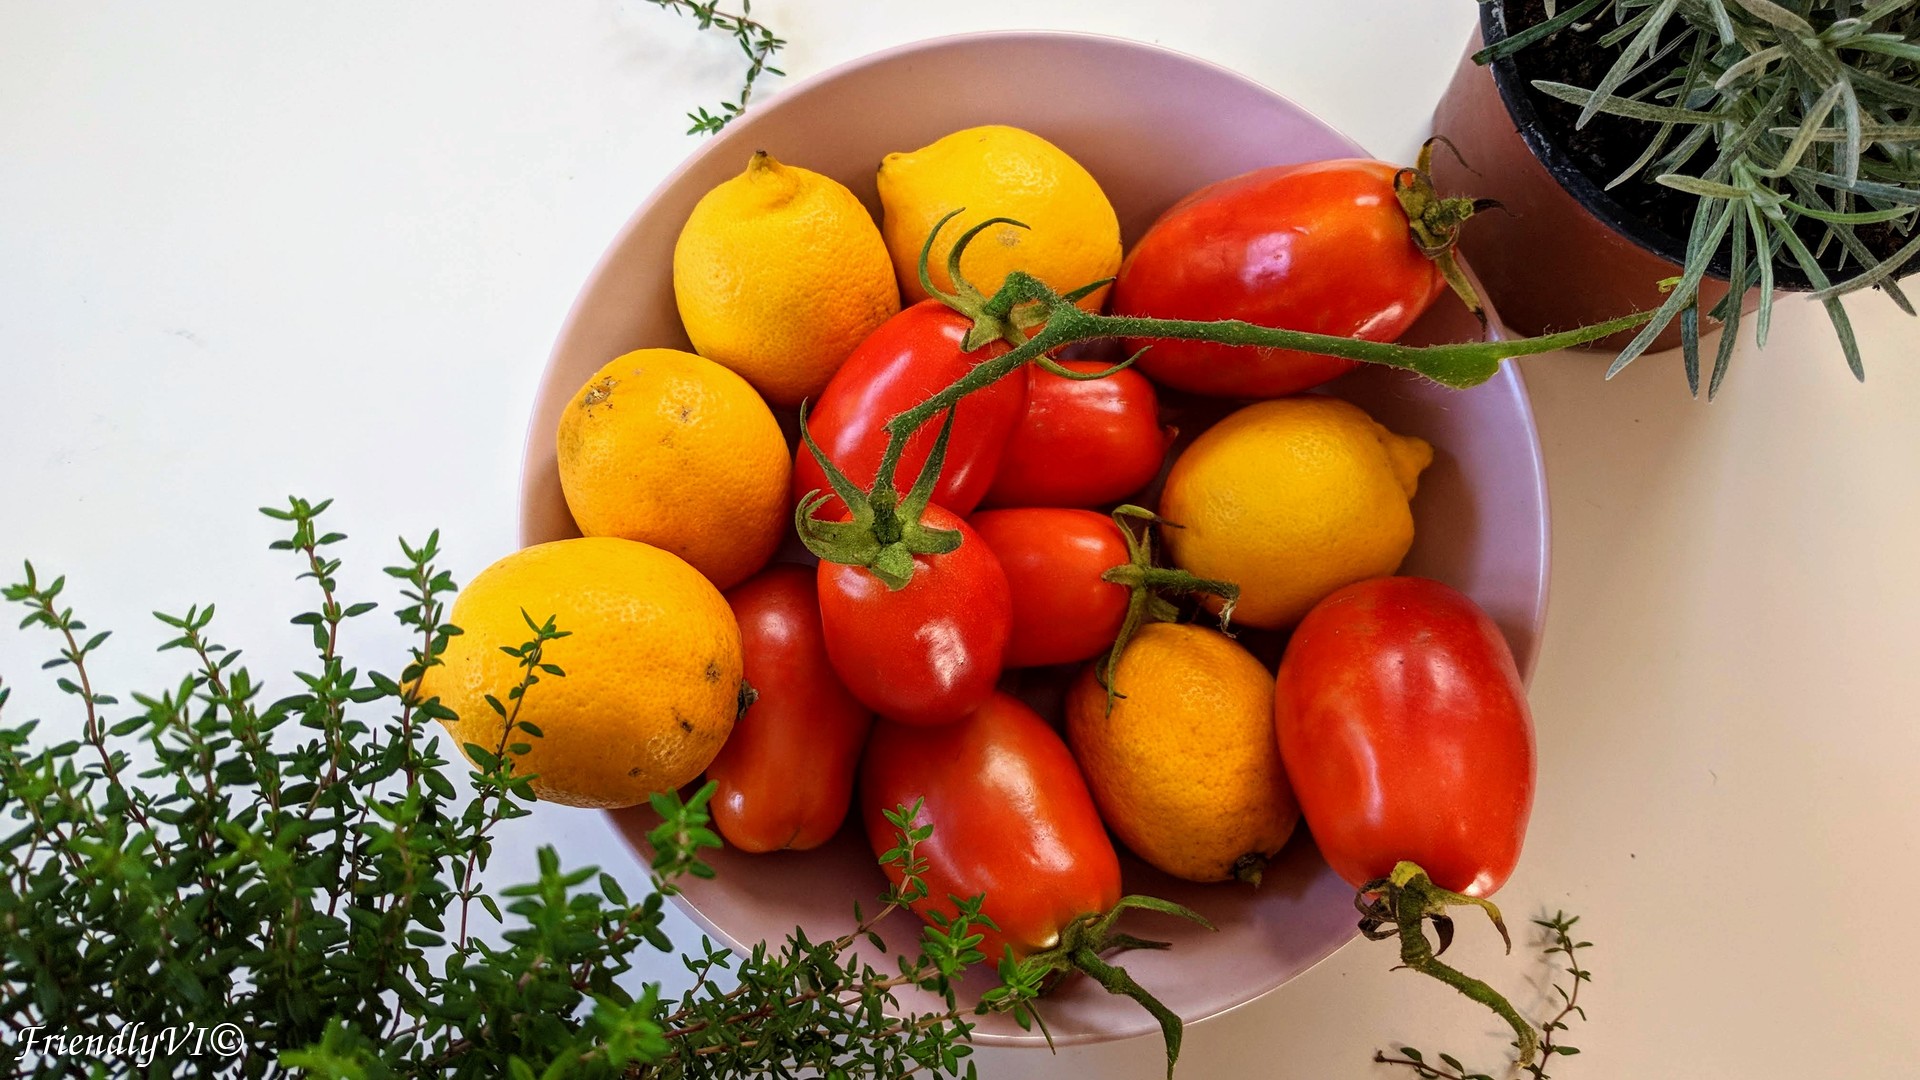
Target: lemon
x: 778, y: 274
x: 652, y: 662
x: 672, y: 449
x: 1186, y: 768
x: 1291, y: 499
x: 1073, y: 235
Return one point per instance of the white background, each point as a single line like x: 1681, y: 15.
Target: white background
x: 251, y: 249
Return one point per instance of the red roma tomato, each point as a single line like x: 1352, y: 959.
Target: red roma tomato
x: 1062, y: 612
x: 1321, y: 246
x: 785, y: 775
x: 1083, y: 443
x: 908, y: 359
x: 1406, y: 734
x: 1011, y: 818
x: 928, y: 653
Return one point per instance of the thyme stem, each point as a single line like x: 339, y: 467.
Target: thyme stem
x: 755, y: 39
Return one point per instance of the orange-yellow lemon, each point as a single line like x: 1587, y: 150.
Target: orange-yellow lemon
x: 778, y: 274
x: 1291, y: 499
x: 1186, y: 768
x: 673, y: 450
x: 651, y: 659
x: 1072, y: 236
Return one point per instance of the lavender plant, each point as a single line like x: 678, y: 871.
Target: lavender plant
x: 1793, y: 125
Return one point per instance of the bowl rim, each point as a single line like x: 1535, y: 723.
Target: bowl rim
x: 797, y: 89
x: 577, y: 307
x: 781, y: 98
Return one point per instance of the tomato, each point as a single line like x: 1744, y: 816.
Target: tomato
x: 785, y: 775
x: 1062, y: 611
x: 927, y: 653
x: 907, y: 360
x: 1011, y: 816
x: 1321, y: 246
x: 1083, y: 442
x: 1405, y: 731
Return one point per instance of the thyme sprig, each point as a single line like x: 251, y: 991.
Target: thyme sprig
x: 308, y: 877
x: 756, y: 41
x: 1812, y: 110
x: 1559, y: 943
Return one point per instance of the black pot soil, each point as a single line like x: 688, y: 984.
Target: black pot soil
x: 1585, y: 160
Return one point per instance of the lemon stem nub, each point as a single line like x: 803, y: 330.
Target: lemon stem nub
x: 1251, y: 867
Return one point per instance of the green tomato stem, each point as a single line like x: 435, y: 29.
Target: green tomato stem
x: 1147, y: 584
x: 1405, y: 900
x: 1085, y: 938
x: 1117, y: 981
x: 886, y: 524
x: 1460, y: 365
x: 885, y: 531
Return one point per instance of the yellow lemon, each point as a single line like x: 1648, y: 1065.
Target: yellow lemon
x: 1291, y: 499
x: 1073, y: 236
x: 779, y: 273
x: 652, y: 663
x: 673, y: 450
x: 1186, y: 768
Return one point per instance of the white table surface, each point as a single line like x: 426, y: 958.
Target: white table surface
x: 251, y: 249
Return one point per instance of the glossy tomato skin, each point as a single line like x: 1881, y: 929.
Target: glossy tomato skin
x: 908, y: 359
x: 1321, y: 246
x: 1062, y: 612
x: 1082, y: 443
x: 928, y: 653
x: 785, y: 776
x: 1405, y: 731
x: 1011, y: 816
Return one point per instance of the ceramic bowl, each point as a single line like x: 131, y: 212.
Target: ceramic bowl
x: 1151, y: 125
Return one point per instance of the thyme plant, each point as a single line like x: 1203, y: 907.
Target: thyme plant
x: 756, y: 41
x: 1795, y: 124
x: 295, y: 886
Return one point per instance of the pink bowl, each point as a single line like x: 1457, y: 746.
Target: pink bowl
x: 1151, y: 125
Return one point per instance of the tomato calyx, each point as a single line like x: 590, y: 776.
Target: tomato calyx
x: 1081, y: 944
x: 885, y: 529
x: 1150, y: 585
x: 1400, y: 904
x: 1434, y: 223
x: 1003, y: 315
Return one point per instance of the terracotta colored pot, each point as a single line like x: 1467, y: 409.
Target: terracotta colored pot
x: 1565, y: 254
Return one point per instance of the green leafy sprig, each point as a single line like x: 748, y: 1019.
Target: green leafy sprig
x: 306, y: 874
x: 822, y: 1008
x: 756, y: 41
x: 1796, y: 125
x: 1560, y: 943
